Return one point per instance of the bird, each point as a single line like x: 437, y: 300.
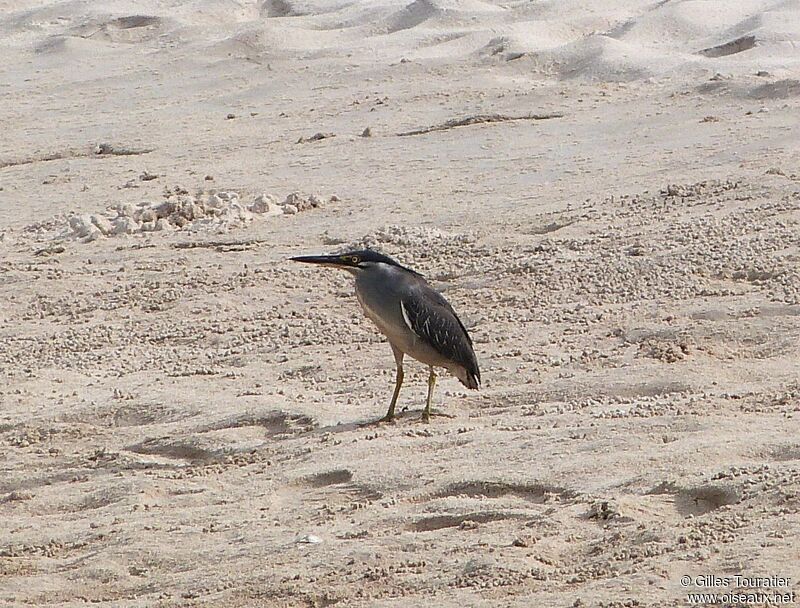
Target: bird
x: 415, y: 318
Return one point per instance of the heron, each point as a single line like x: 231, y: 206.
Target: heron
x: 416, y: 319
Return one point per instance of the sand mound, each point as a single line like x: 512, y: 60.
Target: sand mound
x: 782, y: 89
x: 528, y: 36
x: 649, y: 40
x: 605, y: 42
x: 295, y: 8
x: 438, y: 12
x: 68, y: 47
x: 265, y: 41
x: 278, y: 8
x: 786, y: 88
x: 124, y: 29
x: 602, y: 58
x: 685, y: 22
x: 614, y: 42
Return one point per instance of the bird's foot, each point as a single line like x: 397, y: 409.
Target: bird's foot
x: 386, y: 418
x: 428, y: 414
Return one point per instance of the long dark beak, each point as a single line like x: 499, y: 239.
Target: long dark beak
x: 324, y: 260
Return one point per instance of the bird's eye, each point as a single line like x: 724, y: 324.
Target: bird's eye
x: 354, y: 259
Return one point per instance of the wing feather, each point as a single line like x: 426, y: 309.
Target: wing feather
x: 435, y: 322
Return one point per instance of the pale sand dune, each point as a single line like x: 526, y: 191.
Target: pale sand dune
x: 180, y: 410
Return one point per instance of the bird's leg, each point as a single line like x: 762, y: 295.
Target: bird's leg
x: 398, y: 358
x: 426, y: 413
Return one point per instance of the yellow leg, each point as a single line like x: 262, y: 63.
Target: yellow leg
x: 398, y: 382
x: 426, y: 413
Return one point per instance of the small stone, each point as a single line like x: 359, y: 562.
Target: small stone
x: 164, y: 209
x: 230, y: 116
x: 148, y: 226
x: 125, y: 225
x: 309, y: 539
x: 125, y: 210
x: 103, y: 224
x: 214, y: 201
x: 81, y: 225
x: 148, y: 215
x: 197, y: 210
x: 240, y: 213
x: 293, y: 198
x: 302, y: 203
x: 289, y: 209
x: 266, y: 204
x: 162, y: 224
x: 209, y: 178
x: 186, y: 210
x: 366, y: 132
x: 315, y: 137
x: 94, y: 234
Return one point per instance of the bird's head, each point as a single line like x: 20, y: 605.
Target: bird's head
x: 352, y: 261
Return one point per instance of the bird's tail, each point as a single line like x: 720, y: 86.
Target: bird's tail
x: 469, y: 378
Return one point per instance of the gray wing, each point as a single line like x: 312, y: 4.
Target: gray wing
x: 435, y: 322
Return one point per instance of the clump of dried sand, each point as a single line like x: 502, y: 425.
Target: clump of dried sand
x: 215, y: 212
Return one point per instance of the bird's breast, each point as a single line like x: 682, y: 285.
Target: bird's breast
x: 382, y: 307
x: 381, y: 313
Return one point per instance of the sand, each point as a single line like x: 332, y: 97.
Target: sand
x: 609, y: 194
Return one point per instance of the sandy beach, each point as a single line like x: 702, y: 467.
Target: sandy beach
x: 607, y: 192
